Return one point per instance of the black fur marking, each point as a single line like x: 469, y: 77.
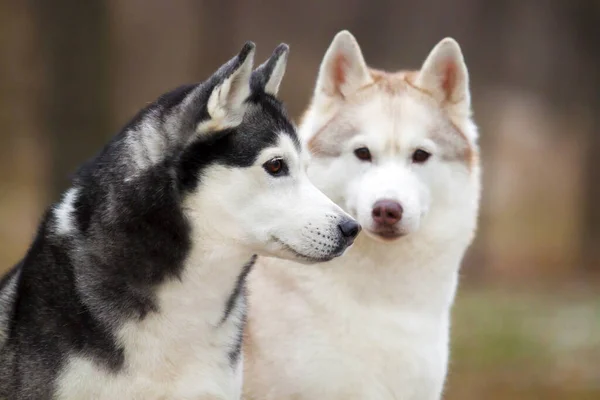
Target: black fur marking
x: 9, y: 275
x: 263, y: 73
x: 238, y: 299
x: 50, y: 321
x: 238, y: 290
x: 236, y: 351
x: 264, y: 121
x: 7, y: 301
x: 164, y: 102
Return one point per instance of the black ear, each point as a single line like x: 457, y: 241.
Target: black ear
x: 223, y: 95
x: 227, y: 99
x: 269, y: 75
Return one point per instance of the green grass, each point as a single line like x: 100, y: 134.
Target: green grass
x: 525, y: 345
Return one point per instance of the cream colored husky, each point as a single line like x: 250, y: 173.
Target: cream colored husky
x: 398, y: 151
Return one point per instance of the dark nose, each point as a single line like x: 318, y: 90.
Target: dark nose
x: 387, y: 212
x: 349, y: 228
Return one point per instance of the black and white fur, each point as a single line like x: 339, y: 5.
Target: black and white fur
x: 134, y: 287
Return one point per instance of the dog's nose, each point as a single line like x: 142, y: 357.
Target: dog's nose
x: 387, y: 212
x: 350, y: 229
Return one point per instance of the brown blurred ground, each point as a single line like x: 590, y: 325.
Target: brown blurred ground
x: 527, y: 319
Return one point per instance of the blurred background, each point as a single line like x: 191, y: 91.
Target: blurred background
x: 527, y: 316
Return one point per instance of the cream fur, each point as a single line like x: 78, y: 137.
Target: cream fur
x: 374, y: 324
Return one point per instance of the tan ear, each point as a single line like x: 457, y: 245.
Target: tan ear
x: 444, y: 74
x: 343, y: 70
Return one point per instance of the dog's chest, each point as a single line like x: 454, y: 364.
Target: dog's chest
x: 403, y: 356
x: 376, y: 354
x: 186, y: 350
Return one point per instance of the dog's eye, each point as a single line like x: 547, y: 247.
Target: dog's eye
x: 363, y: 153
x: 275, y: 167
x: 420, y: 156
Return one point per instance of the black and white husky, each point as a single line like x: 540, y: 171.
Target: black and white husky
x: 134, y: 287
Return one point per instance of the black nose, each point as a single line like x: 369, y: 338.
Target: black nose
x: 349, y: 228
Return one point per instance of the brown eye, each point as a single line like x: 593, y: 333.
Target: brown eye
x: 275, y: 167
x: 420, y: 156
x: 363, y: 153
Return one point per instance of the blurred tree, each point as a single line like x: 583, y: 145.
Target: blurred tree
x: 23, y: 161
x: 586, y: 21
x: 75, y: 45
x: 219, y: 34
x: 154, y: 48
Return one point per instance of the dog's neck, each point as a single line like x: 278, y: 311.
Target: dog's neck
x: 412, y: 272
x: 213, y: 259
x: 209, y: 276
x: 206, y: 294
x: 215, y: 268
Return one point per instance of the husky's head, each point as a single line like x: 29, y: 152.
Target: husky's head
x: 394, y: 148
x: 237, y: 164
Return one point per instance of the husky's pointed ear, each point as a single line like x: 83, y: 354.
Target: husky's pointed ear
x: 268, y: 76
x: 343, y: 70
x: 227, y: 99
x: 226, y: 103
x: 444, y: 74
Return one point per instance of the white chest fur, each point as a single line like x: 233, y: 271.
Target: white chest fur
x: 180, y: 352
x: 365, y: 326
